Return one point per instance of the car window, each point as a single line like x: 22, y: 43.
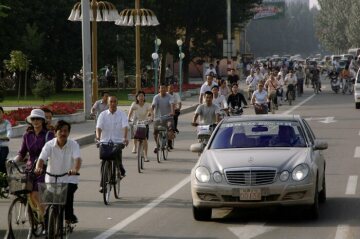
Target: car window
x: 254, y: 134
x: 309, y: 132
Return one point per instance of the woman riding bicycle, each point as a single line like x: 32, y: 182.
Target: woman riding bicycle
x: 260, y: 100
x: 141, y: 110
x: 33, y: 141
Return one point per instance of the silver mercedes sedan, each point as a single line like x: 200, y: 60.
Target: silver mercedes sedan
x: 259, y: 160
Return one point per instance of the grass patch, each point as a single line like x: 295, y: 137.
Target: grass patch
x: 65, y: 96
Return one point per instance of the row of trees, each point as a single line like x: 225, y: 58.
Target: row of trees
x: 52, y: 44
x: 292, y: 34
x: 337, y: 24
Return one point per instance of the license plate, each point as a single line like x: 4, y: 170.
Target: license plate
x: 250, y: 194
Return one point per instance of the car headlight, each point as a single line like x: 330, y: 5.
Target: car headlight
x: 202, y: 174
x: 217, y: 177
x: 284, y: 176
x: 300, y: 172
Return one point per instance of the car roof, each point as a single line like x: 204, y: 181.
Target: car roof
x: 232, y: 119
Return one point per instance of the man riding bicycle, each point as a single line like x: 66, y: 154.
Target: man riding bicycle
x: 112, y: 126
x: 290, y: 81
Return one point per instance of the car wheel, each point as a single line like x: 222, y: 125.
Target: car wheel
x: 202, y: 213
x: 314, y: 208
x: 322, y: 194
x: 357, y: 105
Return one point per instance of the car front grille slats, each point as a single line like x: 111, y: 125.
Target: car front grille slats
x: 250, y: 177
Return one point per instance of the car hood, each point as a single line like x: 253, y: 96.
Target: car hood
x: 282, y: 158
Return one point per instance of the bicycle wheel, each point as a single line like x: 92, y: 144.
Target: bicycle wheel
x: 19, y: 225
x: 164, y: 147
x: 140, y: 157
x: 106, y: 181
x: 158, y: 145
x: 117, y: 180
x: 53, y: 224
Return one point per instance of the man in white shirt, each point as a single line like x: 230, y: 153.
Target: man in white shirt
x: 290, y: 81
x: 100, y: 105
x: 207, y: 86
x: 177, y: 105
x: 219, y: 100
x: 112, y: 126
x: 62, y: 155
x: 211, y: 70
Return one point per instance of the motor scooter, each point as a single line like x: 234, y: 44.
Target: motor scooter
x: 335, y: 84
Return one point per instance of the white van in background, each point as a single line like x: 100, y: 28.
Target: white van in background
x: 357, y: 90
x: 354, y: 51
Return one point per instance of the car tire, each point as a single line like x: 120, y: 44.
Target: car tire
x: 322, y: 194
x: 314, y: 210
x: 357, y: 105
x: 202, y: 213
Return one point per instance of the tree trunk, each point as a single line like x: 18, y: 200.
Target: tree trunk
x: 59, y: 81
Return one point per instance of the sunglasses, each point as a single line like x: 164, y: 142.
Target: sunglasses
x: 35, y: 118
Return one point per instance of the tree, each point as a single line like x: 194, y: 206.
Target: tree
x: 44, y: 88
x: 352, y: 29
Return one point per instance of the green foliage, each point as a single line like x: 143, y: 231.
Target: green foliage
x: 18, y: 61
x: 2, y: 10
x: 44, y: 88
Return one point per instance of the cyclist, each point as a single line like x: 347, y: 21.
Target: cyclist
x: 49, y: 116
x: 112, y: 126
x: 34, y: 139
x: 177, y: 105
x: 141, y: 110
x: 252, y: 82
x: 100, y: 105
x: 208, y: 112
x: 219, y: 100
x: 61, y: 155
x: 260, y: 100
x: 290, y: 81
x: 236, y: 98
x: 208, y: 84
x: 5, y: 135
x: 271, y: 85
x: 163, y: 104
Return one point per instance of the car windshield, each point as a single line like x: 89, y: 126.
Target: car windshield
x: 254, y: 134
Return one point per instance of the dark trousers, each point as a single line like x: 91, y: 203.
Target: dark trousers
x: 69, y: 206
x: 118, y: 161
x: 300, y: 85
x: 176, y: 118
x: 4, y: 151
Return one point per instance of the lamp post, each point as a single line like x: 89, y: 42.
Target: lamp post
x: 155, y: 57
x: 137, y: 17
x: 99, y: 11
x: 181, y: 56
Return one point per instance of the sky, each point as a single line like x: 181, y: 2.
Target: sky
x: 314, y: 3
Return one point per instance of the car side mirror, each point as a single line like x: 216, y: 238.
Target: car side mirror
x: 320, y: 145
x: 196, y: 148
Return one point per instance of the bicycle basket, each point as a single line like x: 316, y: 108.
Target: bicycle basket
x: 19, y: 183
x: 140, y: 131
x: 53, y: 193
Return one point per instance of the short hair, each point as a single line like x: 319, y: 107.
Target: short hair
x: 2, y: 110
x: 235, y: 84
x: 60, y: 124
x: 215, y: 87
x: 209, y: 93
x: 47, y: 110
x: 104, y: 92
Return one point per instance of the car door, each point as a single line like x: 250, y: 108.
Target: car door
x: 316, y: 155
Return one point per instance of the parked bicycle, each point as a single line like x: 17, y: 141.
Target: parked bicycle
x: 24, y: 219
x: 110, y: 173
x: 54, y: 195
x: 141, y: 129
x: 163, y: 128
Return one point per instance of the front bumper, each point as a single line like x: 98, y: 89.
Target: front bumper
x: 217, y: 196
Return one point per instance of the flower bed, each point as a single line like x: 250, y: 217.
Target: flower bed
x: 58, y: 108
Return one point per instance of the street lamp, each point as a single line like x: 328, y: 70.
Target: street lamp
x: 155, y: 57
x: 137, y: 17
x: 101, y: 11
x: 181, y: 56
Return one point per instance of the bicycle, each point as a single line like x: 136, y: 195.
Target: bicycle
x: 110, y: 175
x: 272, y: 104
x: 24, y: 219
x: 162, y: 138
x: 54, y: 195
x: 4, y: 190
x: 348, y: 86
x: 141, y: 130
x: 291, y: 94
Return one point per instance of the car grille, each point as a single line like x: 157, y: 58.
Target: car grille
x: 250, y: 177
x: 269, y: 198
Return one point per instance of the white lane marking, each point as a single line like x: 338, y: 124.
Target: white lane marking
x: 139, y: 213
x: 250, y: 231
x: 351, y: 185
x: 357, y: 152
x: 342, y: 232
x: 298, y: 105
